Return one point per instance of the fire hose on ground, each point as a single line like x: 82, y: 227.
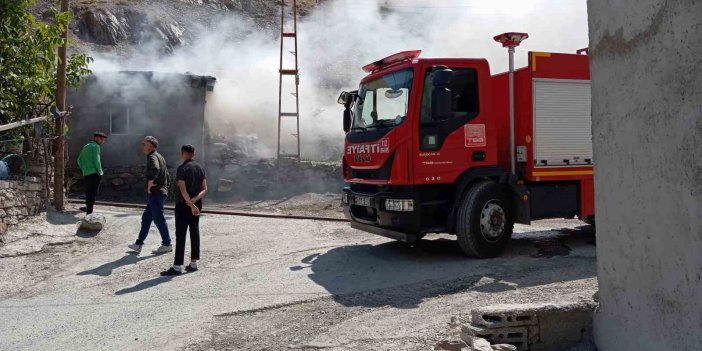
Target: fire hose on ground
x: 220, y: 212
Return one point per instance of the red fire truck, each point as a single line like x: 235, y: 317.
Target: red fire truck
x: 439, y: 145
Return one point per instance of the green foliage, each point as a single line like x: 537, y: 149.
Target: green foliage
x: 29, y: 59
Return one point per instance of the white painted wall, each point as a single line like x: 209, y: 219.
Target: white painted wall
x: 647, y: 131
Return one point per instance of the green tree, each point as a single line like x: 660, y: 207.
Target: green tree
x: 28, y: 60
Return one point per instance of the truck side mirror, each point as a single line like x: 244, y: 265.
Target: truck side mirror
x: 347, y: 99
x: 441, y: 95
x: 343, y: 98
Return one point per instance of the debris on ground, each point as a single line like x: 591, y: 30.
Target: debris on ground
x: 92, y: 222
x: 309, y: 204
x: 34, y: 234
x: 534, y: 327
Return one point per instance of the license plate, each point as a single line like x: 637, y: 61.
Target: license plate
x: 362, y: 201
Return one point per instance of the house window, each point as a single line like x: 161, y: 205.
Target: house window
x: 119, y: 119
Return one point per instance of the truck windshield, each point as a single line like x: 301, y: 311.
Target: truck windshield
x: 382, y: 103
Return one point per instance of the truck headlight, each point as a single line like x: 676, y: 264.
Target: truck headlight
x: 399, y: 205
x: 345, y: 198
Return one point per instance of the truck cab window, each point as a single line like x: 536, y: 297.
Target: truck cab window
x: 464, y: 106
x: 383, y: 103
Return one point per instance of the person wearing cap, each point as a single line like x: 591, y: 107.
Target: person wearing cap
x: 91, y: 167
x: 157, y: 179
x: 192, y: 188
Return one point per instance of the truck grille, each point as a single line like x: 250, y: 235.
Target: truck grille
x: 382, y: 173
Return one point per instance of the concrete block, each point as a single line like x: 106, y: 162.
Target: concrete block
x: 478, y: 344
x: 517, y: 336
x: 500, y: 316
x: 563, y: 325
x: 450, y: 345
x: 558, y: 325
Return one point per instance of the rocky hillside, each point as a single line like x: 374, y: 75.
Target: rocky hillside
x: 122, y: 25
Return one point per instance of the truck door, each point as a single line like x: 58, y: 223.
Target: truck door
x: 451, y: 134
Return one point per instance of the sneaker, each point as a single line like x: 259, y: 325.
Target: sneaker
x: 170, y: 272
x: 135, y: 247
x: 163, y: 249
x: 191, y: 268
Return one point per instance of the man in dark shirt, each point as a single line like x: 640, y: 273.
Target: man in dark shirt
x: 192, y: 187
x: 157, y: 191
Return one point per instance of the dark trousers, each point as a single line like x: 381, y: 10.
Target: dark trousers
x: 92, y: 185
x: 184, y: 219
x: 154, y: 213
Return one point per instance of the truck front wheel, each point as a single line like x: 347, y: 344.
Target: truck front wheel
x: 484, y: 222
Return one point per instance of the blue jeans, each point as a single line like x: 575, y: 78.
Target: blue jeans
x: 154, y: 213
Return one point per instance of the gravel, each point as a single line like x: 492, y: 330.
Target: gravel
x: 268, y: 284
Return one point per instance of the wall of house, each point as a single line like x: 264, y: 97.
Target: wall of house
x: 647, y: 133
x: 167, y: 106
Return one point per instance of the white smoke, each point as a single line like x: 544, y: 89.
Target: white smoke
x: 335, y: 41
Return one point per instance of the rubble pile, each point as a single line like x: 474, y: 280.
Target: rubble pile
x: 528, y: 327
x: 231, y: 176
x: 235, y: 176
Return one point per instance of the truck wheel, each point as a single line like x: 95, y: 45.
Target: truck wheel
x: 484, y: 223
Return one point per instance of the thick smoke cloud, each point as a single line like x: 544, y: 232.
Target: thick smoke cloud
x: 335, y: 40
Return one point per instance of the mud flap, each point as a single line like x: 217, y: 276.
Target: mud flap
x: 521, y: 209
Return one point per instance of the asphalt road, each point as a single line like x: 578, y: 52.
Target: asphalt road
x: 268, y: 284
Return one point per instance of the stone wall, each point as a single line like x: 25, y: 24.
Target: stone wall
x: 647, y: 136
x: 233, y: 181
x: 118, y: 184
x: 21, y: 197
x: 19, y: 200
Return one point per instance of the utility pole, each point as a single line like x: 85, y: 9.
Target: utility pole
x: 59, y: 163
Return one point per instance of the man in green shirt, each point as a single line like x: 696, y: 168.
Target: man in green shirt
x: 89, y: 163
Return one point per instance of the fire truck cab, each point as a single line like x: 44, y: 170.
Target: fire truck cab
x: 427, y: 148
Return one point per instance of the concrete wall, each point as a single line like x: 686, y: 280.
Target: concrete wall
x: 647, y: 130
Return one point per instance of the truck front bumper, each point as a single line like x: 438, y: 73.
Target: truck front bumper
x: 368, y: 212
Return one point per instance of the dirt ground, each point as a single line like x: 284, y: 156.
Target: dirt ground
x: 310, y: 204
x: 272, y: 284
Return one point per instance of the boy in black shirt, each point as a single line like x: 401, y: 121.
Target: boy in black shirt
x: 192, y: 187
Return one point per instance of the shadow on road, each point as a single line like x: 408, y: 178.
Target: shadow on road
x: 144, y: 285
x: 60, y: 218
x: 86, y: 234
x: 400, y: 275
x: 107, y: 268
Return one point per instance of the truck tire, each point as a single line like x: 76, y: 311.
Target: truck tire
x: 484, y: 222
